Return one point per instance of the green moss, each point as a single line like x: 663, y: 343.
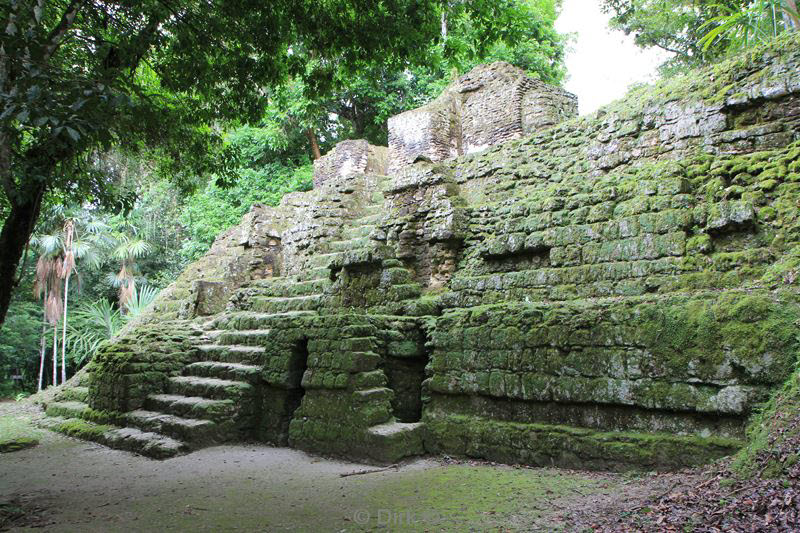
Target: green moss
x: 699, y: 244
x: 15, y: 445
x: 769, y: 432
x: 569, y: 447
x: 466, y: 497
x: 82, y: 429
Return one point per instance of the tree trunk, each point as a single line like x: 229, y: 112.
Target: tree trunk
x: 14, y: 238
x: 55, y: 354
x: 42, y: 352
x: 64, y: 333
x: 314, y: 145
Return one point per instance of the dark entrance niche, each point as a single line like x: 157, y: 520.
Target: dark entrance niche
x: 281, y: 401
x: 405, y: 375
x: 298, y: 363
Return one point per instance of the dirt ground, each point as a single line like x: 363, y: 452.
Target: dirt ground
x: 69, y: 485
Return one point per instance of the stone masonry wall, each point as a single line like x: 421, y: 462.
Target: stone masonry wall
x: 489, y: 105
x: 610, y: 291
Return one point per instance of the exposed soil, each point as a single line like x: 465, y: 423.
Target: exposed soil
x: 69, y: 485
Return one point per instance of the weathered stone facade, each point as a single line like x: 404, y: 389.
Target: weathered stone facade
x: 611, y: 291
x: 490, y: 105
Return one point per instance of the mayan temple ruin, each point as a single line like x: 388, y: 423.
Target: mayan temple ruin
x: 506, y: 281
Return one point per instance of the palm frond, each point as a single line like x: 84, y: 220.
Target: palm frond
x: 50, y: 244
x: 96, y: 227
x: 140, y: 299
x: 113, y: 280
x: 139, y: 248
x: 90, y: 326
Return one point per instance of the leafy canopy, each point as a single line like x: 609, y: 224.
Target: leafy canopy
x: 699, y: 32
x: 81, y: 76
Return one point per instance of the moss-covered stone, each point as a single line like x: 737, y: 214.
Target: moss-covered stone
x: 615, y: 290
x: 17, y: 444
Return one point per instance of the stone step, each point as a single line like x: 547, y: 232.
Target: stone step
x: 232, y: 354
x: 192, y: 406
x: 397, y: 276
x: 347, y: 245
x: 404, y: 291
x: 374, y: 394
x: 212, y: 388
x: 188, y: 430
x: 230, y: 371
x: 146, y: 443
x: 359, y: 344
x: 372, y: 219
x: 288, y: 287
x: 250, y: 337
x: 323, y: 260
x: 210, y: 336
x: 154, y: 445
x: 251, y: 320
x: 357, y: 232
x: 315, y: 273
x: 77, y: 394
x: 68, y: 409
x: 392, y: 441
x: 168, y: 306
x: 279, y: 304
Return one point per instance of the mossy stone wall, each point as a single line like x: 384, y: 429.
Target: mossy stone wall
x: 619, y: 289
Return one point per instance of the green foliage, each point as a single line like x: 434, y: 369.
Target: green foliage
x: 215, y: 209
x: 675, y: 26
x: 140, y: 300
x: 19, y: 346
x: 90, y: 325
x: 93, y: 323
x: 756, y: 23
x: 771, y: 434
x: 521, y: 32
x: 699, y: 32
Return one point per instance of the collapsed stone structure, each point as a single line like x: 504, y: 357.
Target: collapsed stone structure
x: 490, y: 105
x: 610, y: 291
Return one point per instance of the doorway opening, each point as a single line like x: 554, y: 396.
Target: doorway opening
x: 405, y: 376
x: 298, y: 364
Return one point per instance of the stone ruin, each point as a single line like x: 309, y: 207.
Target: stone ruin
x: 490, y: 105
x: 509, y: 282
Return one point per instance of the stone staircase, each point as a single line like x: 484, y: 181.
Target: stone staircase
x: 210, y: 403
x: 217, y: 398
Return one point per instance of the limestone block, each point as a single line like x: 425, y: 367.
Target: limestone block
x: 489, y: 105
x: 348, y: 158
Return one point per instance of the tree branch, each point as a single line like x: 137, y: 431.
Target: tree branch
x: 56, y: 36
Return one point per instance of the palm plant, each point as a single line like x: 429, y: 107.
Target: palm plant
x: 92, y: 324
x: 79, y: 238
x: 139, y: 301
x: 127, y: 250
x: 47, y: 286
x: 757, y: 22
x: 96, y: 322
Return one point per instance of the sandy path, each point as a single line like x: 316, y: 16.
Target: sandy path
x: 70, y: 485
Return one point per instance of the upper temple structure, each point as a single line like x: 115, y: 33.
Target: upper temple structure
x: 506, y: 281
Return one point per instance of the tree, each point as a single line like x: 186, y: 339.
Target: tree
x: 81, y: 76
x: 73, y: 235
x: 363, y: 101
x: 759, y: 22
x: 127, y: 249
x: 676, y: 26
